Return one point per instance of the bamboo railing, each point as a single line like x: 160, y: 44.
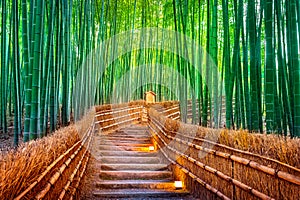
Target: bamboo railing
x: 222, y: 170
x: 61, y: 179
x: 225, y: 172
x: 112, y: 118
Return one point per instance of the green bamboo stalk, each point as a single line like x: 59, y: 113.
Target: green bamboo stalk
x: 183, y: 8
x: 246, y: 77
x: 251, y: 17
x: 192, y: 71
x: 16, y: 72
x: 206, y: 101
x: 62, y: 60
x: 54, y: 103
x: 270, y: 67
x: 37, y: 63
x: 66, y: 66
x: 45, y: 80
x: 236, y: 64
x: 282, y: 74
x: 226, y: 60
x: 32, y: 25
x: 199, y: 82
x: 295, y: 65
x: 214, y: 53
x: 258, y: 69
x: 27, y: 69
x: 4, y: 60
x: 178, y: 63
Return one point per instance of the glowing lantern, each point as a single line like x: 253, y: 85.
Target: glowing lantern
x: 178, y: 184
x: 151, y: 148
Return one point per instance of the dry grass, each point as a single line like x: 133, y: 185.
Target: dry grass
x: 271, y: 151
x: 283, y: 149
x: 83, y: 125
x: 21, y: 167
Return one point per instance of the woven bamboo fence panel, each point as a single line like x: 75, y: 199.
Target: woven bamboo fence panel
x: 111, y: 117
x: 61, y: 179
x: 212, y: 170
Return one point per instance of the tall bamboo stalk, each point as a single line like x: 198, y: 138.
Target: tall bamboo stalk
x: 4, y: 61
x: 16, y: 72
x: 36, y: 76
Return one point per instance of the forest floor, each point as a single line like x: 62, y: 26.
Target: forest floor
x: 7, y: 140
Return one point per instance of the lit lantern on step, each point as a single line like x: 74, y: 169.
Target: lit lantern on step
x: 178, y: 184
x: 151, y: 148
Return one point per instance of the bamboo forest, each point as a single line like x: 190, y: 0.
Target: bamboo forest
x: 254, y: 45
x: 150, y: 99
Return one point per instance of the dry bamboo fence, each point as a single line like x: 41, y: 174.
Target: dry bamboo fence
x: 61, y: 179
x: 169, y: 109
x: 111, y: 117
x: 173, y: 112
x: 107, y: 107
x: 48, y: 168
x: 226, y: 172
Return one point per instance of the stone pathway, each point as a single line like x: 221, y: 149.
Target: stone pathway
x: 125, y: 168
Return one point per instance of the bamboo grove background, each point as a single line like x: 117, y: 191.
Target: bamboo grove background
x: 254, y: 44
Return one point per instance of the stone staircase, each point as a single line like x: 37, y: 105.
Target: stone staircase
x: 129, y: 170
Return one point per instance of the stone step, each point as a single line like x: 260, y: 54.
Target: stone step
x: 126, y: 153
x: 142, y: 138
x: 141, y: 193
x: 134, y: 128
x: 138, y: 167
x: 131, y: 184
x: 132, y: 144
x: 128, y: 170
x: 122, y: 148
x: 138, y: 131
x: 128, y: 132
x: 135, y: 175
x: 128, y: 159
x: 125, y: 138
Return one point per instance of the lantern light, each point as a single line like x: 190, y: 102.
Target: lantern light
x: 151, y: 148
x: 178, y: 184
